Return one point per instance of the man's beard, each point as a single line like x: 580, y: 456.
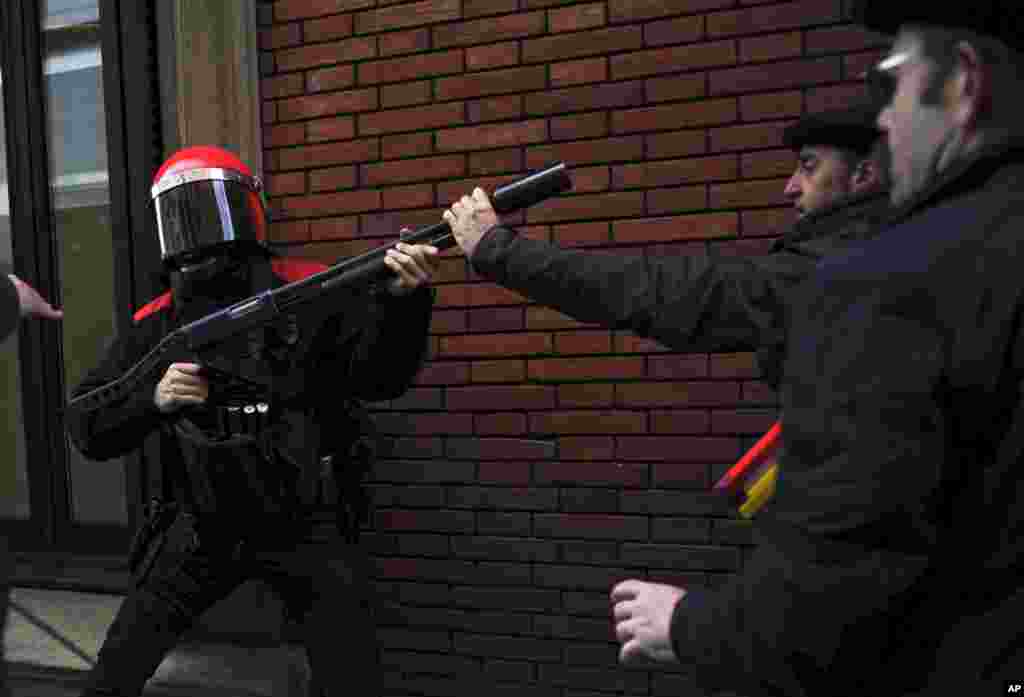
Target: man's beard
x: 938, y: 147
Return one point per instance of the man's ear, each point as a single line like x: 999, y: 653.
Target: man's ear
x: 968, y: 91
x: 865, y: 176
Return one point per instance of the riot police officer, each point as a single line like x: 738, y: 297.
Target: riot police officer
x: 256, y: 442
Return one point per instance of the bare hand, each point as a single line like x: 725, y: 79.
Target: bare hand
x: 413, y: 264
x: 31, y: 302
x: 470, y: 218
x: 182, y: 385
x: 643, y: 613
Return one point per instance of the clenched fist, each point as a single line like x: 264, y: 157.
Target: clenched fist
x: 182, y: 385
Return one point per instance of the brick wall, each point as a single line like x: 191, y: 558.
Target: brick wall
x: 539, y: 460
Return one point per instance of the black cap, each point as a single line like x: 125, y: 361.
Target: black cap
x: 1000, y: 19
x: 853, y: 128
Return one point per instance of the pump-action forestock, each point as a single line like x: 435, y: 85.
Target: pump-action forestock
x: 259, y: 310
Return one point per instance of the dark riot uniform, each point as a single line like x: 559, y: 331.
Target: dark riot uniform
x: 891, y: 554
x: 10, y: 313
x: 247, y: 511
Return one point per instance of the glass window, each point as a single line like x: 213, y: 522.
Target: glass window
x: 77, y: 148
x: 14, y: 496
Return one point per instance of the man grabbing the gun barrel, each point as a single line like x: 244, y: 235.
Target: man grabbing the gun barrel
x: 251, y: 453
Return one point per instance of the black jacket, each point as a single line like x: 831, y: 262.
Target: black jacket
x: 693, y: 302
x: 369, y: 347
x: 10, y: 307
x: 892, y: 553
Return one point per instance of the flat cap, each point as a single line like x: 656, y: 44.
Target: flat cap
x: 1000, y: 19
x: 853, y: 128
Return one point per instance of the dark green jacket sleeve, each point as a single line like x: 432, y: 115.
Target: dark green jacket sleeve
x: 694, y: 302
x: 10, y: 308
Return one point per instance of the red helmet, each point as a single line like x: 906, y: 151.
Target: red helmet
x: 207, y: 201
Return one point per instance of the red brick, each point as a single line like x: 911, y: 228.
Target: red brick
x: 856, y: 65
x: 504, y: 473
x: 522, y: 344
x: 282, y: 86
x: 496, y: 161
x: 743, y: 422
x: 417, y: 118
x: 681, y: 449
x: 447, y: 321
x: 500, y: 424
x: 777, y: 16
x: 588, y: 180
x: 689, y: 421
x: 414, y: 196
x: 333, y: 229
x: 579, y: 71
x: 582, y: 234
x: 410, y: 41
x: 490, y: 30
x: 479, y: 8
x: 312, y: 55
x: 670, y: 172
x: 776, y: 105
x: 408, y: 15
x: 498, y: 136
x: 332, y: 178
x: 586, y: 152
x: 675, y: 88
x: 585, y: 395
x: 282, y: 184
x: 579, y: 126
x: 688, y: 476
x: 496, y: 319
x: 704, y: 226
x: 547, y: 318
x: 625, y: 342
x: 677, y: 367
x: 407, y: 145
x: 280, y: 36
x: 285, y: 10
x: 406, y: 94
x: 588, y: 422
x: 328, y: 204
x: 842, y: 39
x: 505, y: 108
x: 329, y: 154
x: 834, y: 97
x: 674, y: 31
x: 590, y: 526
x: 588, y: 206
x: 634, y: 10
x: 289, y: 231
x: 413, y: 170
x: 327, y: 105
x: 268, y: 112
x: 677, y: 144
x: 586, y: 448
x: 484, y: 398
x: 498, y: 55
x: 605, y: 368
x: 675, y: 116
x: 780, y: 75
x: 771, y: 163
x: 759, y: 393
x: 766, y: 222
x: 670, y: 60
x: 657, y: 394
x: 584, y: 43
x: 577, y: 17
x: 748, y: 194
x: 677, y: 200
x: 424, y: 424
x: 421, y: 65
x: 340, y: 128
x: 498, y: 371
x: 328, y: 79
x: 762, y: 135
x: 287, y: 134
x: 327, y: 28
x: 770, y: 47
x: 587, y: 98
x: 492, y: 82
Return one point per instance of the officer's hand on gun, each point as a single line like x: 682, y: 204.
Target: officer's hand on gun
x: 181, y: 386
x: 413, y: 264
x: 470, y: 218
x: 31, y: 302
